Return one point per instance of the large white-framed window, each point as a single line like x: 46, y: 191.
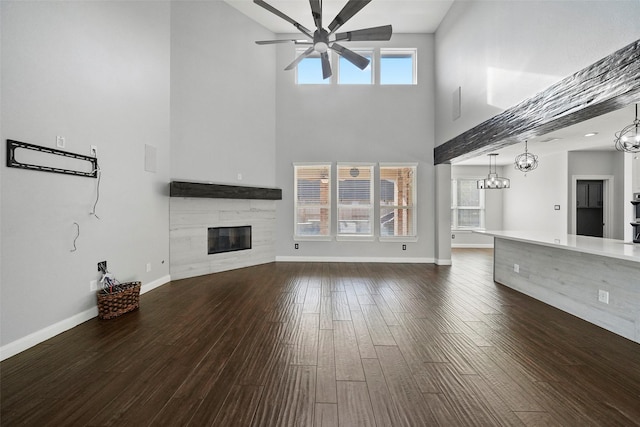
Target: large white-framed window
x: 355, y: 201
x: 467, y: 205
x: 398, y: 66
x: 312, y: 201
x: 309, y: 70
x: 349, y: 74
x: 398, y: 201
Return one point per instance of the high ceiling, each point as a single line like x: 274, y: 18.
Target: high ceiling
x: 406, y: 16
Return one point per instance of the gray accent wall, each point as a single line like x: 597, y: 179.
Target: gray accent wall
x: 345, y: 123
x: 96, y: 73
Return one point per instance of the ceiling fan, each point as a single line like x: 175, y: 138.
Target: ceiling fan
x: 321, y: 40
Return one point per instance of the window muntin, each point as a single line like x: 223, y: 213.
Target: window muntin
x: 349, y: 74
x: 355, y: 200
x: 312, y: 186
x: 467, y: 205
x: 398, y: 66
x: 309, y: 70
x: 398, y: 201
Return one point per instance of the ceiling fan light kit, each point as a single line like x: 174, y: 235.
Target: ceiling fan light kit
x: 321, y: 40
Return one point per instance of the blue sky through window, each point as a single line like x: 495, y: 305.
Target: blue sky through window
x: 310, y: 72
x: 352, y: 75
x: 396, y: 70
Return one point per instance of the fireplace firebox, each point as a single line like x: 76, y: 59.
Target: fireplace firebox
x: 229, y: 239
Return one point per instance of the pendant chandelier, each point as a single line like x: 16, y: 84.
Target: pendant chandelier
x: 493, y: 181
x: 628, y: 139
x: 526, y: 162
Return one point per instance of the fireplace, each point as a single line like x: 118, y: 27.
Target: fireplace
x: 229, y: 239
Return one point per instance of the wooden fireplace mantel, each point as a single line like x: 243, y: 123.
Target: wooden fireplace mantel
x: 221, y: 191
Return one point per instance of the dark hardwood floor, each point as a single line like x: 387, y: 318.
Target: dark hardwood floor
x: 330, y: 344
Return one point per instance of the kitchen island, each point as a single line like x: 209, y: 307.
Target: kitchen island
x: 592, y: 278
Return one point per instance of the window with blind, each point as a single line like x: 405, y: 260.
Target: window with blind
x: 355, y: 200
x: 467, y: 205
x: 398, y: 200
x: 312, y: 200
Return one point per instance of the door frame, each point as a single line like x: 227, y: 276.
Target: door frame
x: 607, y: 201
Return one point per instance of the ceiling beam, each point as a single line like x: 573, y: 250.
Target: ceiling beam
x: 605, y: 86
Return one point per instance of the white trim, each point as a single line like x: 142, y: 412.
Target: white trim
x: 155, y: 284
x: 472, y: 245
x: 312, y: 238
x: 443, y: 262
x: 24, y: 343
x: 390, y: 260
x: 355, y: 238
x: 398, y: 239
x: 607, y: 198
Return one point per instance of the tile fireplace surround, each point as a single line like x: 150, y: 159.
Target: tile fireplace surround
x: 194, y: 207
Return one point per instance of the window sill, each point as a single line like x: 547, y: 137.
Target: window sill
x: 354, y: 238
x: 312, y: 238
x: 408, y: 239
x: 466, y: 230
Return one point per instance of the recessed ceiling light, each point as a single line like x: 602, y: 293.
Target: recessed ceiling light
x: 590, y: 134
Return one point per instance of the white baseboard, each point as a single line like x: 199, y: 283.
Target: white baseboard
x: 394, y: 260
x: 44, y: 334
x: 443, y: 261
x: 155, y: 284
x: 24, y: 343
x: 472, y: 245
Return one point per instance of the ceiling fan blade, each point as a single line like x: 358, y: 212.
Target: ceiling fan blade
x: 276, y: 12
x: 355, y: 58
x: 283, y: 41
x: 326, y: 65
x: 375, y: 33
x: 351, y: 8
x: 316, y: 11
x: 299, y: 58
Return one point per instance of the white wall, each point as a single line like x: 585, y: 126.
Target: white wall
x: 223, y: 95
x: 502, y: 52
x: 98, y: 74
x: 357, y: 124
x: 493, y: 204
x: 529, y: 205
x: 589, y: 163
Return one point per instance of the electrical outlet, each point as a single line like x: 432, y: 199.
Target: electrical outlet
x: 102, y: 266
x: 94, y: 151
x: 60, y: 141
x: 148, y: 267
x: 93, y: 285
x: 603, y: 296
x: 516, y: 268
x: 239, y: 177
x: 296, y: 246
x: 404, y: 247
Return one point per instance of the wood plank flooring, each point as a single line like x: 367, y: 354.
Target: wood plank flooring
x: 327, y: 344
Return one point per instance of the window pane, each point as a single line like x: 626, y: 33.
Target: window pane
x: 355, y: 221
x: 352, y: 75
x: 397, y: 186
x: 468, y: 193
x: 396, y: 68
x: 355, y: 199
x: 313, y: 200
x: 397, y: 222
x: 309, y: 72
x: 468, y: 218
x: 312, y: 221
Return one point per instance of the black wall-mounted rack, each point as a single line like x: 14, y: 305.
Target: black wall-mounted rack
x: 13, y: 163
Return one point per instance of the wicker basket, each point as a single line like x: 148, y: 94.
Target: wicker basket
x: 117, y: 303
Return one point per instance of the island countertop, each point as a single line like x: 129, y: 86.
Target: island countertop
x: 591, y: 245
